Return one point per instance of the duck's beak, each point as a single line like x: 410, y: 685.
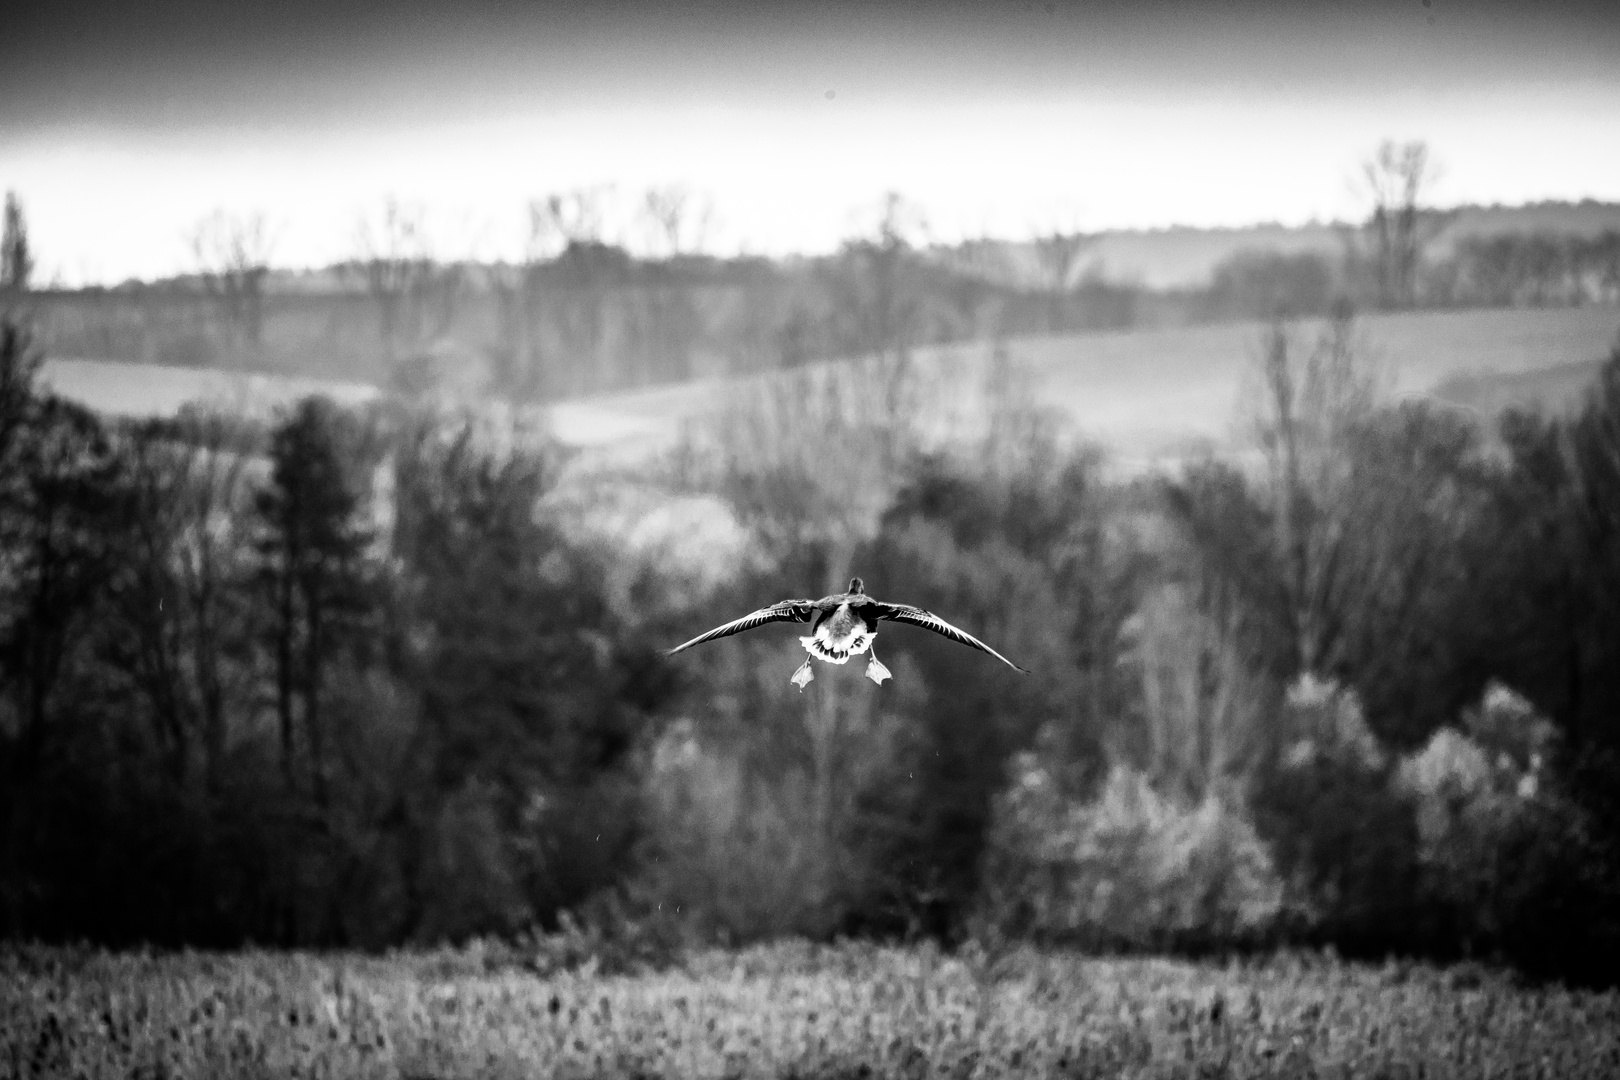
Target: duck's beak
x: 802, y: 677
x: 876, y: 671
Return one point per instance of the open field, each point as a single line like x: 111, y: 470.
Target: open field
x: 787, y: 1010
x: 1154, y: 396
x: 1148, y: 396
x: 116, y: 388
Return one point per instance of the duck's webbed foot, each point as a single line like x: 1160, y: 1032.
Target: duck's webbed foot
x: 875, y: 669
x: 802, y: 677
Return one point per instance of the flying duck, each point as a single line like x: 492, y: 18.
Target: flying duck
x: 845, y: 626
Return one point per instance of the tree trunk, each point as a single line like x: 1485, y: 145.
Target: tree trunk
x: 284, y: 675
x: 314, y: 642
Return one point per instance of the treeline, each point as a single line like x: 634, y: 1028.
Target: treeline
x: 581, y: 314
x: 1532, y: 269
x: 306, y: 684
x: 1528, y: 269
x: 355, y: 680
x: 590, y: 318
x: 596, y: 319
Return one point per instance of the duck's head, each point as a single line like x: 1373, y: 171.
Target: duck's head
x: 857, y: 586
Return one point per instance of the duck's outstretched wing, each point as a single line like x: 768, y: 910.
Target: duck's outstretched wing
x: 916, y: 616
x: 785, y: 611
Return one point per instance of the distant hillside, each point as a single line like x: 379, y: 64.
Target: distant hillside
x: 1150, y: 397
x: 1174, y: 258
x: 597, y: 320
x: 1556, y: 390
x: 1184, y: 257
x: 1586, y: 218
x: 147, y: 390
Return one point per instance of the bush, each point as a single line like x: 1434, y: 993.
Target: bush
x: 1127, y: 868
x: 467, y: 872
x: 1345, y: 842
x: 1259, y: 284
x: 1507, y: 725
x: 729, y: 856
x: 1510, y: 863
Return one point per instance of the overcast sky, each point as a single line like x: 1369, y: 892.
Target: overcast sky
x: 123, y: 123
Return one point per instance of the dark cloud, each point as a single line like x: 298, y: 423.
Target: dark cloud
x: 190, y: 64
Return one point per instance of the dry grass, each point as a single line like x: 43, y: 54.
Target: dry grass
x: 787, y: 1010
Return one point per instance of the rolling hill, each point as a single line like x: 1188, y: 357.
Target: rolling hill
x: 1147, y: 396
x: 1150, y: 399
x: 1186, y: 258
x: 1156, y: 396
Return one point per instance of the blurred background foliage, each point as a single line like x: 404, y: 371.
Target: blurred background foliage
x: 363, y: 678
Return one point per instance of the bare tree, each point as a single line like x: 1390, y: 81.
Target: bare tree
x: 1396, y: 179
x: 1311, y: 399
x: 183, y: 555
x: 565, y: 219
x: 233, y: 259
x: 395, y: 260
x: 1279, y: 566
x: 16, y: 260
x: 566, y: 249
x: 1058, y: 253
x: 874, y: 294
x: 1200, y: 697
x: 676, y: 222
x: 555, y: 223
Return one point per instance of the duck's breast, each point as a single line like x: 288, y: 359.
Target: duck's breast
x: 842, y: 635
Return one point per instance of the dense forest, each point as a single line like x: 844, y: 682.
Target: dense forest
x: 353, y: 679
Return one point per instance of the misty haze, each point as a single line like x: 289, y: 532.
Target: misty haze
x: 1210, y: 414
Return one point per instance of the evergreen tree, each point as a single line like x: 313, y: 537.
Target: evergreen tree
x: 532, y: 690
x: 60, y: 504
x: 16, y: 261
x: 312, y: 549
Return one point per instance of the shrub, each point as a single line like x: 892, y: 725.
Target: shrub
x: 729, y: 856
x: 1345, y: 842
x: 468, y: 872
x: 1510, y: 864
x: 1127, y: 868
x: 1508, y: 726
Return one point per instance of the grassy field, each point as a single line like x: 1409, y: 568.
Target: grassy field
x: 786, y: 1010
x: 1155, y: 396
x: 1148, y: 396
x: 116, y: 388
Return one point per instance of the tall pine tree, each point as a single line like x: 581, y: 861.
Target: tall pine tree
x: 16, y: 260
x: 312, y: 550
